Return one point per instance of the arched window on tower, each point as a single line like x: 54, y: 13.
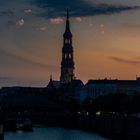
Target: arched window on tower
x: 67, y: 41
x: 70, y: 56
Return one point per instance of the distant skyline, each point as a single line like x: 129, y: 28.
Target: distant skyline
x: 106, y: 40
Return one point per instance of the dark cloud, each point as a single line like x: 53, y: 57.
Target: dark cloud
x: 131, y: 25
x: 53, y: 8
x: 5, y: 78
x: 126, y: 61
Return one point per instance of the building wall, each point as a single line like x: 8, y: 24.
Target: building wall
x: 96, y: 88
x: 80, y: 93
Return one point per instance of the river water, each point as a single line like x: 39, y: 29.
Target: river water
x: 52, y: 134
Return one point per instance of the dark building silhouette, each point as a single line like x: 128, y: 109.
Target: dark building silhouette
x: 1, y: 125
x: 67, y: 63
x: 53, y: 85
x: 96, y: 88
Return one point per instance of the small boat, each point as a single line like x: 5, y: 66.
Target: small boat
x: 25, y: 125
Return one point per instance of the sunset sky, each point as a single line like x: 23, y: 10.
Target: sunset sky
x: 106, y: 39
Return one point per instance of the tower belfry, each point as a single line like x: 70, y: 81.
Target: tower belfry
x: 67, y: 63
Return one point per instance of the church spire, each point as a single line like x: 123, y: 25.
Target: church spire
x: 67, y: 63
x: 67, y: 33
x: 67, y: 21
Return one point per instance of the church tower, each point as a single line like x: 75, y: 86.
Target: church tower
x: 67, y: 63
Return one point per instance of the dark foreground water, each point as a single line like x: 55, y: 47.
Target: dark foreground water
x: 52, y: 134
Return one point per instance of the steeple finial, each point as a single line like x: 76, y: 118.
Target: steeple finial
x: 67, y: 21
x: 67, y: 14
x: 67, y: 33
x: 51, y: 78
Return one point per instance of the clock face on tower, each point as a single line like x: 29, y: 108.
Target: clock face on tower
x: 67, y: 63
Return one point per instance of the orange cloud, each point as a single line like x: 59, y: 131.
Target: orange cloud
x: 102, y: 28
x: 127, y: 61
x: 20, y: 23
x: 79, y: 19
x: 57, y: 20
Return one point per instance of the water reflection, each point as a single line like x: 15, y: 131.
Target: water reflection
x: 52, y: 134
